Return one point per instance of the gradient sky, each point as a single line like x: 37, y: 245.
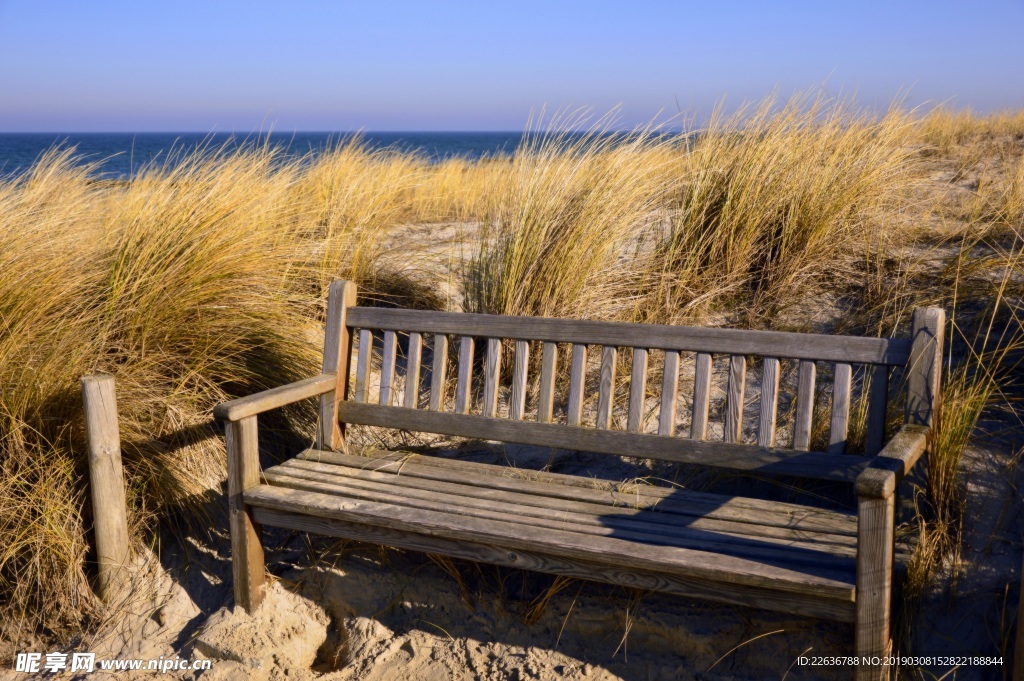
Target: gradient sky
x: 247, y: 66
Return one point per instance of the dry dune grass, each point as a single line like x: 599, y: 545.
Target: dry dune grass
x: 206, y: 278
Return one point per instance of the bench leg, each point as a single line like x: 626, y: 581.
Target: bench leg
x: 246, y: 542
x: 875, y: 538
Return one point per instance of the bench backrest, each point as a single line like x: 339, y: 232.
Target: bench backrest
x: 625, y: 429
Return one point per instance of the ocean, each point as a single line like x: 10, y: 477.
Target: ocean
x: 119, y: 155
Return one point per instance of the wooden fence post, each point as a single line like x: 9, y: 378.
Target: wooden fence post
x: 106, y: 481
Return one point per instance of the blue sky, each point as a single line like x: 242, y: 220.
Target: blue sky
x: 232, y: 66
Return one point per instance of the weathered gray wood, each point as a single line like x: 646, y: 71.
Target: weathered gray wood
x: 874, y: 583
x: 924, y: 368
x: 538, y: 484
x: 620, y: 552
x: 769, y: 403
x: 337, y: 353
x: 878, y: 409
x: 257, y: 403
x: 884, y: 471
x: 551, y: 509
x: 387, y: 368
x: 517, y: 405
x: 809, y: 606
x: 492, y: 376
x: 411, y: 398
x: 734, y: 398
x: 464, y: 387
x: 247, y: 565
x: 637, y: 391
x: 803, y: 422
x: 669, y: 394
x: 548, y: 372
x: 606, y: 387
x: 725, y: 455
x: 676, y: 512
x: 106, y: 483
x: 680, y: 338
x: 840, y: 425
x: 577, y: 377
x: 701, y: 396
x: 363, y: 364
x: 438, y: 372
x: 818, y: 558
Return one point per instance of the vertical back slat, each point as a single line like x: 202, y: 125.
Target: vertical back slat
x: 577, y: 373
x: 701, y: 396
x: 637, y: 391
x: 878, y: 407
x: 412, y: 371
x: 463, y: 389
x: 492, y: 375
x: 387, y: 367
x: 840, y: 408
x: 669, y: 388
x: 804, y: 405
x: 734, y: 398
x: 606, y: 388
x: 363, y: 364
x: 517, y: 406
x: 438, y: 372
x: 337, y: 357
x: 548, y: 369
x: 769, y: 402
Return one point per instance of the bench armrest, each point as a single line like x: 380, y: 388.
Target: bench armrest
x: 235, y: 410
x: 884, y: 472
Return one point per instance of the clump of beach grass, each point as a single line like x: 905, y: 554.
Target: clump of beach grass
x: 558, y: 238
x: 190, y: 282
x: 777, y: 201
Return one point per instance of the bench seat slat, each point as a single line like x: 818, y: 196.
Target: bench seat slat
x: 593, y: 490
x: 820, y: 559
x: 652, y: 514
x: 514, y: 535
x: 817, y: 465
x: 800, y: 604
x: 780, y: 344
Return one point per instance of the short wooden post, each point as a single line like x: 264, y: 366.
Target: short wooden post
x: 246, y: 542
x: 337, y: 355
x: 875, y: 547
x: 106, y: 481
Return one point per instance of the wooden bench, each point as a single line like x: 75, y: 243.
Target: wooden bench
x: 781, y: 556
